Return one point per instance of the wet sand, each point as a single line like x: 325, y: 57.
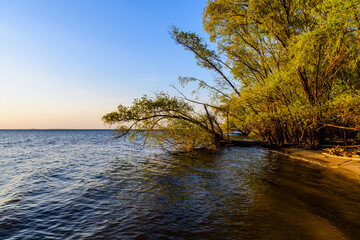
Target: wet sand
x: 345, y: 166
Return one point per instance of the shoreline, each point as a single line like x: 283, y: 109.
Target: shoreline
x: 345, y: 166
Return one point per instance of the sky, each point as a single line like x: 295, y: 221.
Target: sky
x: 66, y: 63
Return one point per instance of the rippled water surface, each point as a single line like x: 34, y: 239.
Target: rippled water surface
x: 87, y: 185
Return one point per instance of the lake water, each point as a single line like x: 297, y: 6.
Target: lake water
x: 88, y: 185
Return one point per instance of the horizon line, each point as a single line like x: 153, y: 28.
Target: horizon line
x: 1, y: 129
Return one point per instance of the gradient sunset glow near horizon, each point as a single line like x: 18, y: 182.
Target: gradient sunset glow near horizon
x: 64, y: 64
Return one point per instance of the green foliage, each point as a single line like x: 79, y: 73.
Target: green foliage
x: 170, y: 123
x: 287, y: 71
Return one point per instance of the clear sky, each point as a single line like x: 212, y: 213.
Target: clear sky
x: 65, y: 63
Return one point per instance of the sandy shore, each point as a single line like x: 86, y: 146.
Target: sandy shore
x: 348, y: 167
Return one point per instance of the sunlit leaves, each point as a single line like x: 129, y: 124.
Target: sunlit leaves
x: 169, y: 122
x: 287, y: 71
x: 291, y: 58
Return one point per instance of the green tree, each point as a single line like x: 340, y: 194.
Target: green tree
x: 292, y: 60
x: 287, y: 71
x: 170, y: 123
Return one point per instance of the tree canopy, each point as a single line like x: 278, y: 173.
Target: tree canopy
x: 287, y: 71
x: 170, y: 123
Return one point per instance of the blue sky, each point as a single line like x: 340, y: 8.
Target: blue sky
x: 65, y: 63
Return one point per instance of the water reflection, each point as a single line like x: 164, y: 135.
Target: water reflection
x: 236, y: 194
x: 81, y: 185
